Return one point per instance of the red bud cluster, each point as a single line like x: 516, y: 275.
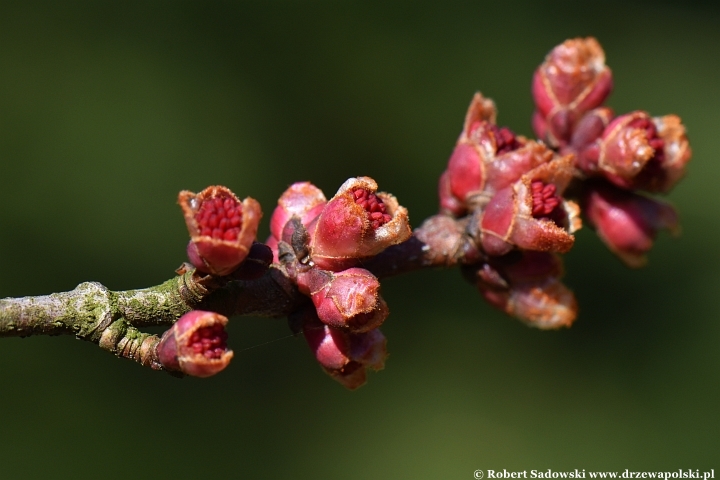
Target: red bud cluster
x: 320, y: 243
x: 510, y: 190
x: 619, y: 154
x: 509, y: 206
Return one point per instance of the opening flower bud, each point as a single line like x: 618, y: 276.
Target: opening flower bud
x: 196, y: 345
x: 222, y: 228
x: 358, y: 222
x: 637, y: 151
x: 531, y: 214
x: 573, y: 80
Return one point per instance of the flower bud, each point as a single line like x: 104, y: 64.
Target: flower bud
x: 356, y: 223
x: 346, y: 300
x: 531, y: 214
x: 527, y: 286
x: 302, y: 199
x: 196, y: 345
x: 637, y: 151
x: 573, y: 80
x: 485, y: 159
x: 222, y: 228
x: 627, y: 222
x: 345, y: 356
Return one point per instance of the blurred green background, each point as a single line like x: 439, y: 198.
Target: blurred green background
x: 108, y: 109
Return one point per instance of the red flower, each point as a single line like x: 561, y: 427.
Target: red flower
x: 356, y: 223
x: 486, y: 159
x: 196, y: 345
x: 531, y: 214
x: 222, y: 228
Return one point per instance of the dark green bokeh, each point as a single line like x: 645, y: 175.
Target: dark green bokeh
x: 108, y: 110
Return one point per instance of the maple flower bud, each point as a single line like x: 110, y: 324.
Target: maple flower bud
x: 347, y: 300
x: 573, y: 80
x: 222, y: 228
x: 638, y: 151
x: 302, y: 199
x: 531, y: 214
x: 345, y: 356
x: 527, y: 286
x: 196, y: 345
x: 356, y: 223
x: 627, y: 222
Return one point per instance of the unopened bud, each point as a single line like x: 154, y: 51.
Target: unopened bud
x: 347, y: 300
x: 302, y: 199
x: 573, y: 80
x: 627, y: 222
x: 345, y: 356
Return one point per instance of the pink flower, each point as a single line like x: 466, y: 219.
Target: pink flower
x: 196, y: 345
x: 356, y: 223
x: 222, y: 228
x: 627, y: 222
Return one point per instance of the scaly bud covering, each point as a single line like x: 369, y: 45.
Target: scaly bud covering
x: 302, y: 199
x: 637, y: 151
x: 531, y: 214
x: 627, y: 222
x: 573, y: 80
x: 347, y: 300
x: 356, y: 223
x: 196, y: 345
x: 345, y: 356
x: 527, y: 285
x: 222, y: 228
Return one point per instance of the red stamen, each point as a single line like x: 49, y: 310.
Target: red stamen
x: 220, y: 218
x: 505, y: 140
x: 657, y: 143
x: 211, y: 342
x: 373, y: 205
x: 545, y: 202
